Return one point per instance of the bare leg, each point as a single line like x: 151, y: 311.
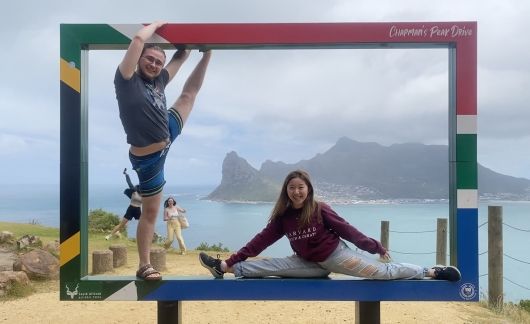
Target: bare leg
x: 120, y: 226
x: 226, y: 268
x: 146, y: 227
x: 117, y: 228
x: 185, y: 101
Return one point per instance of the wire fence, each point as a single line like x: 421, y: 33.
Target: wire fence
x: 412, y: 232
x: 509, y: 256
x: 519, y: 260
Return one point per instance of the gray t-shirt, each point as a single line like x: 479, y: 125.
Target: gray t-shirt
x: 143, y: 111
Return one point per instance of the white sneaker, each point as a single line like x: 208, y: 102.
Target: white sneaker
x: 107, y: 237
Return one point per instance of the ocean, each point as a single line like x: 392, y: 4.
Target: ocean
x: 233, y: 224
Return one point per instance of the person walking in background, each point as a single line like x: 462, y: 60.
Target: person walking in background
x: 171, y: 216
x: 315, y: 233
x: 151, y: 128
x: 133, y: 211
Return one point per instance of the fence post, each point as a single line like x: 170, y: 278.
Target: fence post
x: 441, y: 241
x: 370, y: 311
x: 385, y: 228
x: 495, y: 254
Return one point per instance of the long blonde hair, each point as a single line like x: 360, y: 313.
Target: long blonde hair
x: 283, y: 202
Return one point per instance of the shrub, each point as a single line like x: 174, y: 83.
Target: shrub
x: 102, y: 221
x: 18, y: 290
x: 525, y: 304
x: 217, y: 248
x: 158, y: 239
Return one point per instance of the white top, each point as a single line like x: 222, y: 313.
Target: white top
x: 172, y: 212
x: 136, y: 199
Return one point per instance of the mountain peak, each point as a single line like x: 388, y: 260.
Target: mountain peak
x: 241, y: 182
x: 352, y: 170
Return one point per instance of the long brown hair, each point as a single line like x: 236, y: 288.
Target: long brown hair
x: 283, y: 202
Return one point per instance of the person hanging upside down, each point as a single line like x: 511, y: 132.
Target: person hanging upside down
x: 133, y: 211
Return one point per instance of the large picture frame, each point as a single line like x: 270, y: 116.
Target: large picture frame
x: 460, y: 40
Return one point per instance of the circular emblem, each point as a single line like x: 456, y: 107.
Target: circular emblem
x: 468, y: 291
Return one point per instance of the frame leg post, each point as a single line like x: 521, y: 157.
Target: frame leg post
x: 169, y: 312
x: 367, y: 312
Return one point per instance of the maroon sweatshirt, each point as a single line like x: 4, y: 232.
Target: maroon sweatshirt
x: 314, y: 242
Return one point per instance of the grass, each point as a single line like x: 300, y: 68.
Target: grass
x: 46, y: 234
x: 20, y: 229
x: 96, y: 241
x: 514, y: 312
x: 19, y: 290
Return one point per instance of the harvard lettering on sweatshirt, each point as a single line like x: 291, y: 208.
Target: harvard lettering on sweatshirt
x: 314, y: 242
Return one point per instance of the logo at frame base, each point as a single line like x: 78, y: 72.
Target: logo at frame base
x: 468, y: 291
x: 73, y: 291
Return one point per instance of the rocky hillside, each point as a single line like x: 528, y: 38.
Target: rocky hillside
x: 352, y: 170
x: 241, y: 182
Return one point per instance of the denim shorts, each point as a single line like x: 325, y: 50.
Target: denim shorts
x: 150, y: 168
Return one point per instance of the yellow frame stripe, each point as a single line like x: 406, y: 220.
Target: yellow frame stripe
x: 70, y: 75
x: 70, y: 248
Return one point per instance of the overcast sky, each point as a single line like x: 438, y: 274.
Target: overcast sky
x: 282, y: 105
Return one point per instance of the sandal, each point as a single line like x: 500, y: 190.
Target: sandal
x: 146, y: 273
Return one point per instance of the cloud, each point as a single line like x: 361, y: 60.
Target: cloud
x: 295, y: 94
x: 503, y: 97
x: 205, y: 132
x: 271, y: 104
x: 10, y: 145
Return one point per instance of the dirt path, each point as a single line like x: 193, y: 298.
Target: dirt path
x: 46, y: 308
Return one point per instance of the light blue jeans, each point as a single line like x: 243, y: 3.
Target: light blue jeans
x: 343, y: 260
